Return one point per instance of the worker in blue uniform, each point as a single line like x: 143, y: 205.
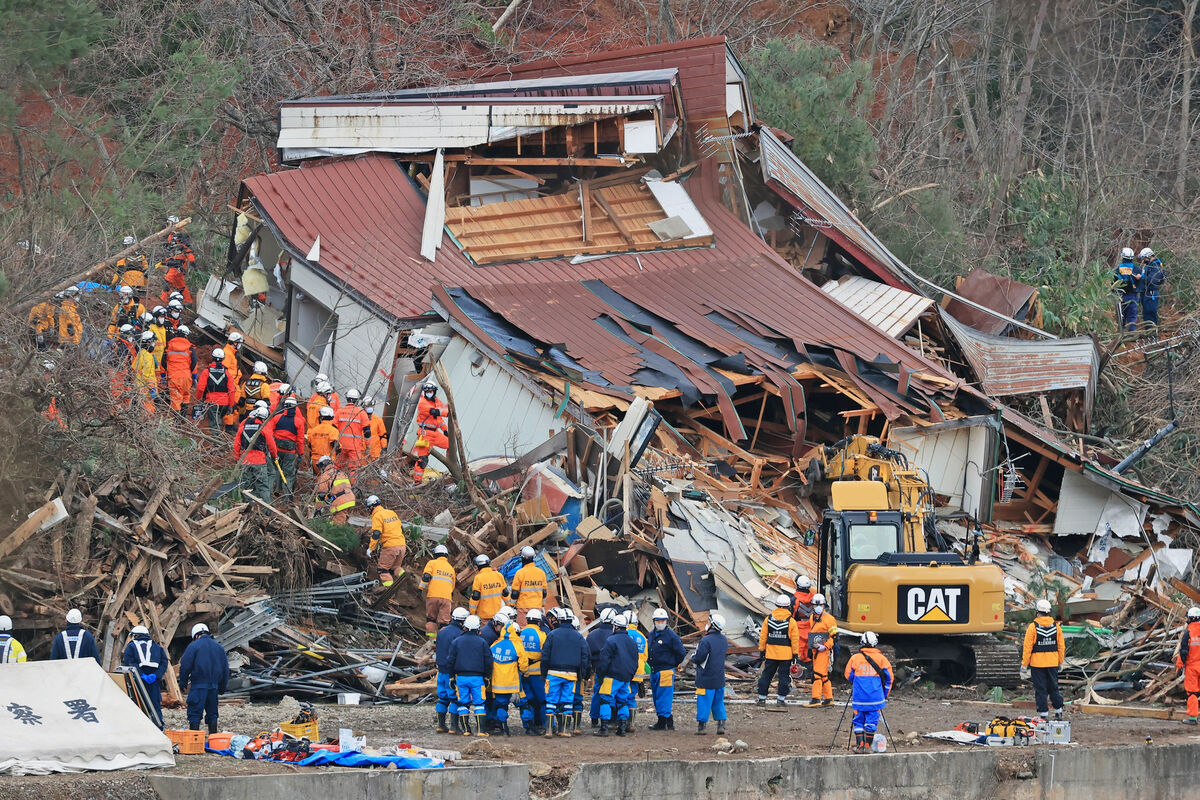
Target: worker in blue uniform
x: 1154, y: 275
x: 596, y: 640
x: 533, y: 684
x: 665, y: 653
x: 471, y: 664
x: 710, y: 675
x: 205, y: 669
x: 75, y: 641
x: 564, y: 661
x: 150, y: 660
x: 446, y: 702
x: 1126, y: 277
x: 615, y: 668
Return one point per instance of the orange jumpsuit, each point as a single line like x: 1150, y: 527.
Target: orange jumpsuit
x: 801, y: 611
x: 333, y: 489
x: 431, y: 432
x: 1189, y: 661
x: 179, y: 363
x: 354, y: 436
x: 235, y: 384
x: 378, y: 436
x: 182, y: 258
x: 312, y: 408
x: 822, y: 687
x: 321, y: 441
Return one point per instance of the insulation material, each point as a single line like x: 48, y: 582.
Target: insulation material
x: 1167, y: 562
x: 641, y: 136
x: 675, y: 201
x: 1084, y: 507
x: 435, y: 210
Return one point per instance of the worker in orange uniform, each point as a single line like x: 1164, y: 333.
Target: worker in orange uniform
x: 288, y: 428
x: 1188, y: 660
x: 432, y: 418
x: 322, y: 439
x: 280, y: 391
x: 323, y: 396
x: 437, y: 581
x: 387, y: 540
x: 214, y: 391
x: 378, y: 440
x: 821, y: 637
x: 256, y: 387
x: 255, y: 443
x: 41, y: 323
x: 180, y: 259
x: 127, y: 311
x: 528, y: 585
x: 174, y: 311
x: 354, y: 433
x: 179, y: 365
x: 779, y: 642
x: 233, y: 343
x: 801, y: 611
x: 131, y: 270
x: 334, y: 491
x: 70, y: 322
x: 1044, y: 651
x: 488, y: 590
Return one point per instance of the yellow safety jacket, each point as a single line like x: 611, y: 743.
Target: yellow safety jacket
x: 11, y: 651
x: 640, y: 640
x: 386, y: 528
x: 438, y: 575
x: 529, y: 586
x: 508, y: 662
x: 487, y: 593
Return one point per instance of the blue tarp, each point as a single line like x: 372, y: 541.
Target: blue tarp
x: 324, y: 758
x: 509, y: 568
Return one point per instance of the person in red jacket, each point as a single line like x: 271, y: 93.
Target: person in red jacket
x: 432, y: 419
x: 215, y: 391
x: 255, y: 445
x: 179, y: 367
x: 1188, y: 660
x: 288, y: 429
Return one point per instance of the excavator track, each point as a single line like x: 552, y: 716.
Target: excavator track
x: 997, y: 663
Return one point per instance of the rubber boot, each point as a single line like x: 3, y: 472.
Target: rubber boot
x: 1190, y: 721
x: 700, y: 728
x: 504, y: 728
x: 671, y: 723
x: 455, y: 723
x: 441, y: 722
x: 465, y: 721
x: 860, y: 743
x: 602, y: 730
x: 720, y: 727
x: 566, y: 725
x: 577, y: 718
x: 622, y: 727
x: 827, y: 702
x: 816, y: 701
x: 212, y: 727
x: 595, y: 722
x: 552, y: 722
x: 629, y: 722
x: 660, y: 725
x: 481, y: 725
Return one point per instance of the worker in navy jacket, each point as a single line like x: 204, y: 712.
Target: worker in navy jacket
x: 615, y: 668
x: 565, y: 660
x: 150, y: 660
x: 710, y: 675
x: 471, y: 664
x: 596, y: 640
x: 665, y: 652
x: 74, y: 642
x: 446, y: 700
x: 204, y: 667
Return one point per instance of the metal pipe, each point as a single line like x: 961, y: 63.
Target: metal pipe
x: 1136, y: 455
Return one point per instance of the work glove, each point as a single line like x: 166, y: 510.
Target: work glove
x: 151, y: 678
x: 1026, y: 673
x: 821, y: 648
x: 435, y: 412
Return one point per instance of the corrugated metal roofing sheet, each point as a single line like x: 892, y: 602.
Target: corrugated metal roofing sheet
x: 891, y: 310
x: 998, y: 293
x: 530, y: 87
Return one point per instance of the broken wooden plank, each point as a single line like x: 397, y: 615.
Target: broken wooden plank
x: 143, y: 525
x: 307, y: 531
x: 27, y: 529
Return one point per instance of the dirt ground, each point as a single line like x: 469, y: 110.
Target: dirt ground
x: 767, y: 732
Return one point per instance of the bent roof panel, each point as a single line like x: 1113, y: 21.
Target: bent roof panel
x: 996, y: 292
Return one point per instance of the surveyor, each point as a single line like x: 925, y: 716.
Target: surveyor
x: 288, y: 429
x: 710, y: 674
x: 446, y: 702
x: 75, y: 641
x: 70, y: 322
x: 1126, y: 277
x: 779, y: 642
x: 233, y: 343
x: 41, y: 323
x: 1154, y: 275
x: 596, y: 639
x: 333, y: 490
x: 432, y: 419
x: 323, y: 396
x: 665, y: 652
x: 180, y: 259
x: 801, y: 611
x: 637, y: 685
x: 1188, y: 660
x: 150, y: 660
x: 131, y: 269
x: 255, y: 443
x: 1041, y: 657
x: 178, y: 366
x: 870, y: 676
x: 203, y: 674
x: 213, y: 391
x: 354, y: 434
x: 470, y: 662
x: 378, y: 438
x: 615, y: 668
x: 11, y: 651
x: 528, y: 585
x: 822, y: 636
x: 508, y: 663
x: 254, y: 388
x: 533, y: 685
x: 322, y: 437
x: 437, y: 581
x: 488, y: 590
x: 564, y: 662
x: 387, y: 539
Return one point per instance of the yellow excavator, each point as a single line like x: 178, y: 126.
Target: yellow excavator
x: 885, y: 567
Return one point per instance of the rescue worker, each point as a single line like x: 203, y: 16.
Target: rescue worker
x: 131, y: 269
x: 1187, y: 660
x: 75, y: 641
x: 333, y: 491
x: 564, y: 662
x: 174, y: 313
x: 446, y: 702
x: 664, y: 654
x: 150, y: 660
x: 533, y: 685
x: 354, y: 433
x: 322, y: 437
x: 488, y: 590
x: 180, y: 259
x: 710, y: 675
x: 378, y: 438
x: 509, y: 662
x: 528, y: 585
x: 124, y: 348
x: 823, y: 627
x: 203, y: 674
x: 281, y: 391
x: 870, y: 676
x: 178, y: 367
x: 127, y: 311
x: 42, y: 323
x: 70, y: 322
x: 615, y: 668
x: 779, y: 642
x: 11, y: 651
x: 255, y: 443
x: 233, y: 343
x: 1154, y: 275
x: 324, y: 396
x: 256, y: 387
x: 432, y: 419
x: 596, y: 639
x: 387, y: 539
x: 577, y: 712
x: 213, y: 391
x: 637, y: 685
x: 145, y: 370
x: 801, y: 611
x: 437, y: 581
x: 470, y: 662
x: 1126, y: 277
x: 1044, y: 651
x: 288, y: 429
x: 161, y: 330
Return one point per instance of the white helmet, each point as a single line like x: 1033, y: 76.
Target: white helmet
x: 235, y: 337
x: 620, y: 620
x: 183, y: 330
x: 325, y: 412
x: 818, y: 600
x: 508, y: 612
x: 218, y: 354
x: 441, y: 550
x: 803, y: 582
x: 369, y: 404
x: 286, y: 388
x: 459, y: 614
x: 533, y: 614
x: 1193, y: 613
x: 716, y: 622
x: 570, y: 615
x: 139, y: 630
x: 660, y: 614
x: 198, y: 629
x: 323, y: 462
x: 290, y: 402
x: 126, y: 330
x: 482, y: 560
x: 172, y: 220
x: 125, y: 292
x: 5, y: 622
x: 607, y: 614
x: 175, y: 296
x: 1146, y: 252
x: 320, y: 378
x: 429, y: 389
x: 1043, y: 606
x: 869, y: 639
x: 1127, y: 253
x: 324, y: 387
x: 260, y: 412
x: 260, y: 367
x: 527, y: 552
x: 128, y: 240
x: 372, y: 501
x: 353, y: 395
x: 71, y: 291
x: 159, y: 311
x: 74, y: 616
x: 148, y: 337
x: 783, y: 601
x: 471, y: 623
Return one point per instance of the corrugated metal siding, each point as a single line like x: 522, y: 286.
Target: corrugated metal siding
x: 891, y: 310
x: 994, y: 291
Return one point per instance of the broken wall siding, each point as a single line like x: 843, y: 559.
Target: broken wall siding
x: 1085, y: 507
x: 958, y: 458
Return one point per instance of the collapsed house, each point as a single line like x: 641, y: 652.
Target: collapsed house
x: 622, y: 274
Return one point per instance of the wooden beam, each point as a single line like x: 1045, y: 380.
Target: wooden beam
x: 585, y: 201
x: 521, y: 174
x: 612, y: 215
x: 565, y: 161
x: 307, y: 531
x: 26, y: 529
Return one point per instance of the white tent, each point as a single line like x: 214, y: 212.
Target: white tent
x: 70, y: 716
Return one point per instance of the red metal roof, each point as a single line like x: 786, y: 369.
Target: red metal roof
x: 994, y: 291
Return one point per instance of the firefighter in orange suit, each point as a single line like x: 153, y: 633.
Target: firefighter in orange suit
x: 179, y: 365
x: 801, y: 612
x: 354, y: 433
x: 1188, y: 660
x: 1043, y: 654
x: 334, y: 491
x: 180, y: 259
x: 432, y: 418
x: 821, y: 622
x: 322, y: 438
x: 378, y: 429
x: 323, y: 396
x: 233, y: 344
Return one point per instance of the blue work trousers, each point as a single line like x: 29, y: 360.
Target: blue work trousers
x: 560, y: 695
x: 866, y: 721
x: 202, y: 703
x: 710, y: 701
x: 445, y: 692
x: 662, y: 684
x: 470, y: 694
x: 615, y: 699
x: 533, y: 713
x: 1129, y: 312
